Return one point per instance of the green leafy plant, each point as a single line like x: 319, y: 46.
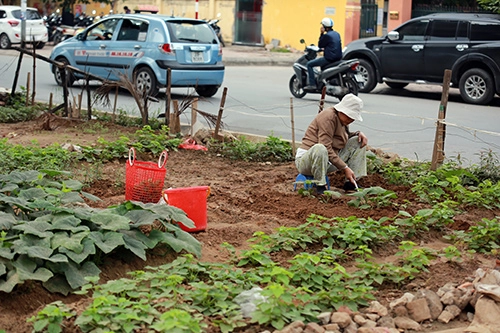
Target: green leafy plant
x: 483, y: 237
x: 273, y: 149
x: 54, y: 240
x: 50, y: 318
x: 372, y: 197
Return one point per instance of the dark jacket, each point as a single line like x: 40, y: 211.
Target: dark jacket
x: 331, y: 44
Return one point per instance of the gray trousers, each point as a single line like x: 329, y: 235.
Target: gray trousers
x: 315, y: 161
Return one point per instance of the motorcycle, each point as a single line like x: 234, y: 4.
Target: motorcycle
x: 340, y: 78
x: 52, y: 22
x: 64, y: 32
x: 216, y: 28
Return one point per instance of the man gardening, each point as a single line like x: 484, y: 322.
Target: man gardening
x: 328, y: 145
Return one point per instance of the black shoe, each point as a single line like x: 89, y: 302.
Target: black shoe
x: 320, y: 189
x: 310, y: 88
x: 349, y: 187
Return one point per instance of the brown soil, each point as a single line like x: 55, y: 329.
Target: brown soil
x: 245, y: 197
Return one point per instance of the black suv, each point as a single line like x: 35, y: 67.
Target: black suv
x: 420, y: 50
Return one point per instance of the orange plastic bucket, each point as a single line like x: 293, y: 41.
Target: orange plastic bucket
x: 193, y: 201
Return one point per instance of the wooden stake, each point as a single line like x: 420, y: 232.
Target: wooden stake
x: 293, y: 127
x: 219, y: 116
x: 322, y: 100
x: 51, y: 96
x: 169, y: 97
x: 34, y: 76
x: 89, y: 99
x: 438, y: 152
x: 114, y: 105
x: 28, y: 82
x: 79, y: 104
x: 194, y: 113
x: 175, y: 124
x: 16, y: 76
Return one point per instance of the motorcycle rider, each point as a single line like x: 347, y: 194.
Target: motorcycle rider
x: 331, y: 44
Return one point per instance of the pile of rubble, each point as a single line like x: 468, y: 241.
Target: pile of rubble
x: 474, y: 302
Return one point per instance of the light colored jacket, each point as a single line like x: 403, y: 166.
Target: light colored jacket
x: 327, y: 129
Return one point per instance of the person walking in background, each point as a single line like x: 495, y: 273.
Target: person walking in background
x: 331, y: 44
x: 328, y: 145
x: 127, y: 11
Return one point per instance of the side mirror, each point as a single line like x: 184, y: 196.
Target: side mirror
x: 393, y: 36
x: 302, y: 41
x: 219, y: 14
x: 80, y: 36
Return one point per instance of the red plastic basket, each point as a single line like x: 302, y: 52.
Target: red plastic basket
x: 144, y: 180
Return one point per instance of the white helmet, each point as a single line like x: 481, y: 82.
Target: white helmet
x: 327, y: 22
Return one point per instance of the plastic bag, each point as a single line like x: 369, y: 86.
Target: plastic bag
x: 191, y: 144
x: 248, y: 301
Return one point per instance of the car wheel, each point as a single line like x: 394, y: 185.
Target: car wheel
x: 365, y: 68
x: 476, y: 86
x: 4, y: 41
x: 206, y: 91
x: 296, y: 87
x: 396, y: 85
x: 145, y: 81
x: 40, y: 45
x: 70, y: 78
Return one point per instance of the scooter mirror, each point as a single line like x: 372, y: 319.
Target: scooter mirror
x: 93, y: 12
x: 219, y: 14
x: 302, y: 41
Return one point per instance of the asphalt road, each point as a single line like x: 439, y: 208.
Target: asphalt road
x: 258, y: 102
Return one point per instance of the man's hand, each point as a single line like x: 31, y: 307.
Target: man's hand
x: 362, y: 139
x: 349, y: 174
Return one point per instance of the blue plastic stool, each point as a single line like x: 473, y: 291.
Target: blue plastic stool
x: 307, y: 186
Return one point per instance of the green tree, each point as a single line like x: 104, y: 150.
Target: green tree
x: 492, y: 5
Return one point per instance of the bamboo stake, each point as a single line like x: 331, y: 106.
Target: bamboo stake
x: 28, y: 82
x: 89, y: 99
x: 79, y: 104
x: 219, y: 116
x: 293, y: 126
x: 51, y: 96
x: 438, y: 151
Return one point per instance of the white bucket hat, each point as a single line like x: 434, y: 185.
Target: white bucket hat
x: 351, y: 106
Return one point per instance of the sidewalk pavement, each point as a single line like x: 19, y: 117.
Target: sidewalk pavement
x: 232, y: 55
x: 238, y: 55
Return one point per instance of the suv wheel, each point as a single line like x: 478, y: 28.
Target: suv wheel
x: 145, y: 80
x: 4, y: 42
x: 206, y: 91
x: 476, y: 86
x: 396, y: 85
x: 365, y: 68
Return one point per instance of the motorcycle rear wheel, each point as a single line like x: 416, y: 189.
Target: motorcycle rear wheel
x: 351, y: 85
x: 295, y: 87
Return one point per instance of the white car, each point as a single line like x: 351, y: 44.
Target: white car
x: 10, y: 27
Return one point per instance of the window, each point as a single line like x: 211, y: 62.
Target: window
x: 443, y: 30
x: 194, y: 32
x: 485, y: 31
x: 133, y: 30
x: 30, y: 14
x: 3, y: 14
x: 414, y: 31
x: 103, y: 31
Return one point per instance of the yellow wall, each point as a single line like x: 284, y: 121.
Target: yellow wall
x: 289, y: 21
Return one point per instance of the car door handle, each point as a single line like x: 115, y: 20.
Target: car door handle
x: 137, y: 47
x: 102, y: 46
x: 461, y: 47
x: 417, y: 47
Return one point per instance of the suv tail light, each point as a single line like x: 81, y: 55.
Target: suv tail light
x: 220, y: 50
x: 13, y: 23
x: 167, y: 48
x: 354, y: 66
